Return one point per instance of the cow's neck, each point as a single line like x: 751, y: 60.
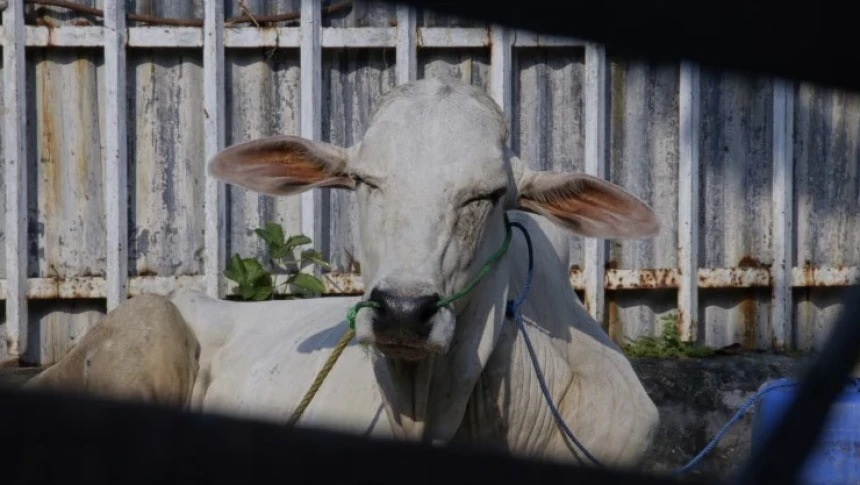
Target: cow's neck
x: 507, y: 407
x: 427, y: 400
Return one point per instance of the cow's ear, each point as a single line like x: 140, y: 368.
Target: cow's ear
x: 586, y: 205
x: 282, y: 165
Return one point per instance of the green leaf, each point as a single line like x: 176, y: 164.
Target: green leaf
x: 253, y: 281
x: 254, y: 270
x: 246, y: 292
x: 315, y: 257
x: 262, y: 293
x: 235, y: 270
x: 307, y: 282
x: 273, y: 235
x: 296, y: 241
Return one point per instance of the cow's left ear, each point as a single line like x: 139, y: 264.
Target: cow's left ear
x: 586, y: 205
x: 282, y: 165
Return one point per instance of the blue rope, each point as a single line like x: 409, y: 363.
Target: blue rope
x: 513, y: 312
x: 740, y: 412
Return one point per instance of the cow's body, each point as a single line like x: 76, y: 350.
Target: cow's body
x: 434, y: 178
x: 259, y: 359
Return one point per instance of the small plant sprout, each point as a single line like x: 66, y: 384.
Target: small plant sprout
x: 668, y: 344
x: 255, y: 283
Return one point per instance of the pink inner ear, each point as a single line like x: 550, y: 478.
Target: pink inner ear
x: 276, y: 160
x: 581, y: 218
x: 275, y: 166
x: 591, y: 207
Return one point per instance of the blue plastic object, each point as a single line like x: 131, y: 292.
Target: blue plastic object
x: 835, y: 459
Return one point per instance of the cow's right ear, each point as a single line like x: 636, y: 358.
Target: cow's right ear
x: 282, y: 165
x: 585, y: 205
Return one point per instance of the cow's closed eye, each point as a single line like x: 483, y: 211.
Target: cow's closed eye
x: 361, y: 181
x: 491, y: 197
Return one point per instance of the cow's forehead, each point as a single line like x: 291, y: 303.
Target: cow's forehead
x: 431, y: 127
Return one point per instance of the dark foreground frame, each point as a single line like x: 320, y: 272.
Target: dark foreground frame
x: 808, y: 41
x: 52, y: 438
x: 55, y: 438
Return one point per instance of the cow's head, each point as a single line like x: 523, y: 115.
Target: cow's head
x: 433, y: 178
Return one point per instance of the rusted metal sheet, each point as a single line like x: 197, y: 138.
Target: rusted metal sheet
x: 262, y: 100
x: 826, y: 146
x: 825, y: 277
x: 736, y: 204
x: 2, y: 183
x: 165, y: 125
x: 66, y: 162
x: 56, y: 326
x: 348, y: 283
x: 643, y: 157
x: 80, y: 36
x: 154, y: 36
x: 165, y: 156
x: 548, y: 114
x: 343, y: 284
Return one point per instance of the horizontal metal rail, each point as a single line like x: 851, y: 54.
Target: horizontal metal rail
x: 286, y: 37
x: 351, y: 284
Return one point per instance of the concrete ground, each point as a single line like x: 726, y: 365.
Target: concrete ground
x: 696, y: 397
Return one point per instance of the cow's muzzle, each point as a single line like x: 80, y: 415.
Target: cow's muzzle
x: 404, y: 324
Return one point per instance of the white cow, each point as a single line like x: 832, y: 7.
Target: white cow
x: 433, y: 180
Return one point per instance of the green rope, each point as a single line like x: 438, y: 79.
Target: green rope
x: 353, y: 311
x: 487, y: 266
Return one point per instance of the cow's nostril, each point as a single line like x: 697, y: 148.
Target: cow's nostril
x: 406, y: 310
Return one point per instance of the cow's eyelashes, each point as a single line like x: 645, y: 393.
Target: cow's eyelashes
x: 491, y: 197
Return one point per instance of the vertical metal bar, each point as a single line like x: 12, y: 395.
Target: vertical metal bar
x: 688, y: 202
x: 15, y: 152
x: 116, y: 161
x: 595, y: 164
x: 501, y: 69
x: 783, y: 212
x: 311, y: 108
x: 214, y: 135
x: 407, y: 58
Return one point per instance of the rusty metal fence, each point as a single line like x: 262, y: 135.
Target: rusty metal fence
x: 595, y: 277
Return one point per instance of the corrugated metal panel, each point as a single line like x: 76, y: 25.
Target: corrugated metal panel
x: 827, y: 155
x: 166, y: 157
x: 56, y: 326
x: 262, y: 100
x: 66, y: 168
x: 361, y: 14
x: 3, y: 196
x: 351, y: 81
x: 165, y: 128
x: 65, y: 179
x: 644, y: 143
x: 548, y: 122
x: 735, y: 224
